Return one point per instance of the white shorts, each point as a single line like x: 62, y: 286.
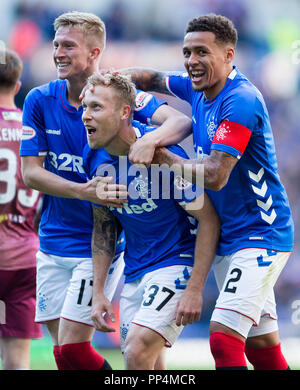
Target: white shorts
x: 65, y: 285
x: 246, y: 280
x: 151, y: 301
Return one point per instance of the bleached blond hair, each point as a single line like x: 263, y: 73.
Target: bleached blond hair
x: 90, y: 24
x: 122, y: 85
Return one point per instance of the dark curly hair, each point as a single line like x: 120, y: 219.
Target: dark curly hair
x: 221, y: 26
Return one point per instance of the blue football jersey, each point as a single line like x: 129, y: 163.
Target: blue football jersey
x: 158, y: 231
x: 253, y: 206
x: 53, y: 128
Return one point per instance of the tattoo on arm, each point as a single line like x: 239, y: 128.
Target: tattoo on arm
x: 149, y: 80
x: 104, y: 232
x: 218, y: 166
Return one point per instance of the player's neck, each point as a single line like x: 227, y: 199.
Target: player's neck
x: 7, y: 101
x: 74, y: 89
x: 75, y: 85
x: 120, y: 146
x: 217, y: 88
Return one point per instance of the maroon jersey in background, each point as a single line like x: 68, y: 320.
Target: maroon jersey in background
x: 18, y: 204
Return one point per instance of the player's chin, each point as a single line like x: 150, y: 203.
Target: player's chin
x: 198, y: 87
x: 92, y: 144
x: 63, y: 73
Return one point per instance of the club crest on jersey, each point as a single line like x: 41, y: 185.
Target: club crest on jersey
x: 141, y: 186
x: 211, y: 129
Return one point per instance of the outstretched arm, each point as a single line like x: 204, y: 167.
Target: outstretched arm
x: 174, y: 126
x: 171, y: 132
x: 98, y: 190
x: 211, y: 172
x: 148, y: 79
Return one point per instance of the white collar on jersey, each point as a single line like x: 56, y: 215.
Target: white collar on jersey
x: 137, y: 132
x: 232, y: 74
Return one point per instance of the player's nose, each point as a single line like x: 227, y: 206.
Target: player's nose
x: 193, y: 59
x: 86, y: 116
x: 58, y: 52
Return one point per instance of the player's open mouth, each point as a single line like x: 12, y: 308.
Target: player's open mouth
x: 90, y: 130
x: 61, y: 65
x: 196, y: 75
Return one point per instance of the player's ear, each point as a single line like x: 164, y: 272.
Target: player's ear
x: 17, y: 87
x: 125, y: 112
x: 229, y: 54
x: 95, y: 53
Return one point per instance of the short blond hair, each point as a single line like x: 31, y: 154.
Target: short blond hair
x: 121, y: 83
x: 90, y: 24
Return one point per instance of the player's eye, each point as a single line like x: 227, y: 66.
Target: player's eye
x: 186, y: 53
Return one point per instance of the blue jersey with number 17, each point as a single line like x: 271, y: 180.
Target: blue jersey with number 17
x: 253, y: 206
x: 54, y: 129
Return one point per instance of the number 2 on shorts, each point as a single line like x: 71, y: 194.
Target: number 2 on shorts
x: 236, y: 278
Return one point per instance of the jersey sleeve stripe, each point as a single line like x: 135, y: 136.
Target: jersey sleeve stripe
x: 168, y: 86
x: 228, y: 149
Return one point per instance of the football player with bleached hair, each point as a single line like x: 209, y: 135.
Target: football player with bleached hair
x: 166, y: 252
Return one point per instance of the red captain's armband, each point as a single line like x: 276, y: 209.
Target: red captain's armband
x: 232, y: 134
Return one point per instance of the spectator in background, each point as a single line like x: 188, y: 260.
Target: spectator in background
x: 116, y: 21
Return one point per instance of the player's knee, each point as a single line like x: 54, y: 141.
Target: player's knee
x: 263, y: 340
x: 136, y: 353
x: 217, y: 346
x: 83, y: 356
x: 15, y: 362
x: 227, y: 350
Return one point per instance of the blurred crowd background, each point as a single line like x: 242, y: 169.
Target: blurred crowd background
x: 150, y: 33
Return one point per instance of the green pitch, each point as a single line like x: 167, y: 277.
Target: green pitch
x: 42, y: 357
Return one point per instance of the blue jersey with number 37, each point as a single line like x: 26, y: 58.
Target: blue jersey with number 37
x: 158, y: 231
x: 54, y: 129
